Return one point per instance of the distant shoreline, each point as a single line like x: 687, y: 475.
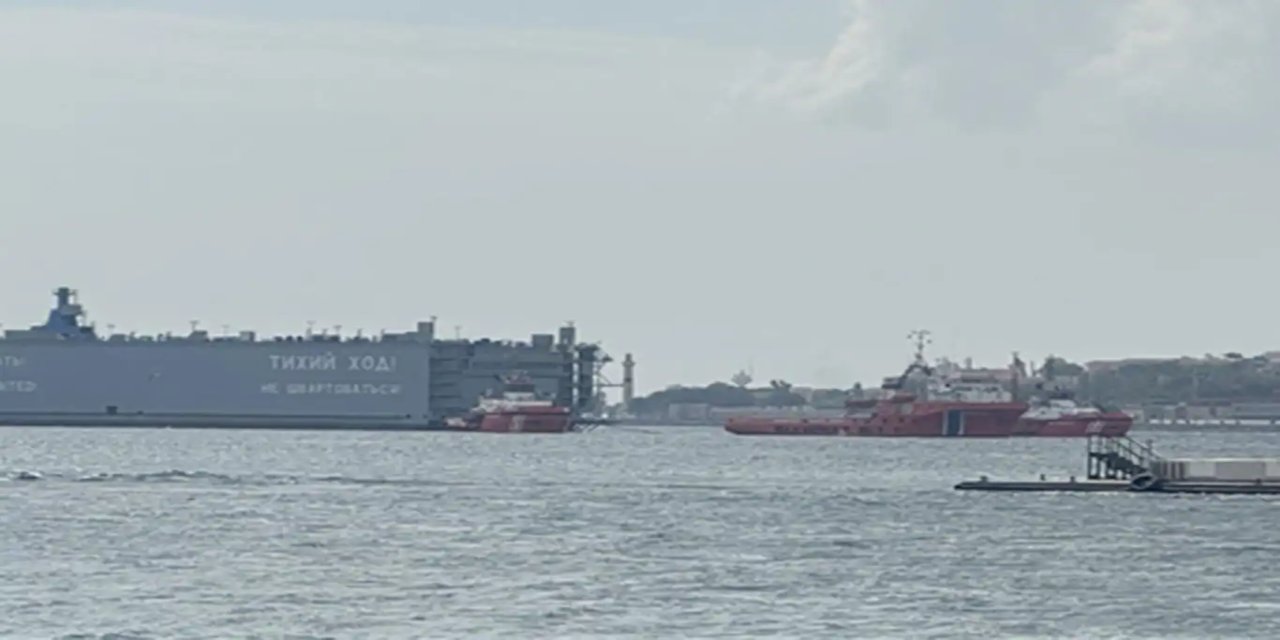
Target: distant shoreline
x: 1199, y: 426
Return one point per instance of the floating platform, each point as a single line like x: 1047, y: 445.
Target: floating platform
x: 1119, y: 463
x: 1044, y: 485
x: 1218, y: 487
x: 1114, y: 486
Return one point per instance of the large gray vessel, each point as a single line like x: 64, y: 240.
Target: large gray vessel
x: 64, y: 373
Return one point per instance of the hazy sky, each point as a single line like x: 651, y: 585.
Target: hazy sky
x: 706, y: 183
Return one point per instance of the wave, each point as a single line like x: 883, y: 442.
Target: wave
x: 24, y: 476
x: 179, y: 475
x: 721, y: 491
x: 172, y: 475
x: 115, y: 635
x: 210, y: 477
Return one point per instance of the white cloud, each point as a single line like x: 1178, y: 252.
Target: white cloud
x: 1195, y: 70
x: 1000, y: 63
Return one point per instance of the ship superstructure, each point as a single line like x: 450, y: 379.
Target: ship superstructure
x: 64, y: 373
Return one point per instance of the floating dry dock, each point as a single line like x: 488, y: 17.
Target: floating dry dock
x: 1123, y: 464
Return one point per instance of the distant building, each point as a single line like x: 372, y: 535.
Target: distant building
x: 1058, y: 384
x: 1106, y: 366
x: 1255, y: 411
x: 804, y: 392
x: 720, y: 414
x: 689, y: 412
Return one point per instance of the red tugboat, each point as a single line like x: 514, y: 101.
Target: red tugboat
x: 965, y: 406
x: 923, y: 403
x: 516, y: 408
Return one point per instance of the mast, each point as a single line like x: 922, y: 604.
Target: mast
x: 1015, y: 370
x: 922, y: 338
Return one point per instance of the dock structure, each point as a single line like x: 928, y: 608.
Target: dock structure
x: 1120, y: 463
x: 1072, y: 485
x: 1118, y: 458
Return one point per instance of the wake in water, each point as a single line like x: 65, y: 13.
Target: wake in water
x: 210, y: 477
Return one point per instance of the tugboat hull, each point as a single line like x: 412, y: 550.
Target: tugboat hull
x: 526, y: 421
x: 1111, y: 424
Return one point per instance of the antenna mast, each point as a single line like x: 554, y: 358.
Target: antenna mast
x: 922, y: 338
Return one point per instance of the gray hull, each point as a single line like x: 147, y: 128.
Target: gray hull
x: 63, y: 374
x: 182, y: 383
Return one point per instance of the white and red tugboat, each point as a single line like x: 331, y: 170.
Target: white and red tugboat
x: 517, y: 408
x: 1063, y: 418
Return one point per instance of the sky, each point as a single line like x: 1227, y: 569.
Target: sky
x: 711, y: 185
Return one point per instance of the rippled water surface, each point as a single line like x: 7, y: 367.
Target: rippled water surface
x: 624, y: 532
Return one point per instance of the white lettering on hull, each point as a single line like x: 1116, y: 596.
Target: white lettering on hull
x: 11, y: 362
x: 381, y: 364
x: 17, y: 386
x: 331, y: 388
x: 314, y: 362
x: 329, y: 362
